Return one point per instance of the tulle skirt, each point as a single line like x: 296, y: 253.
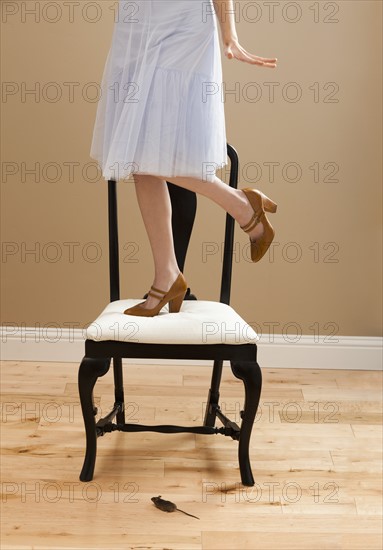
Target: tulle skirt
x: 161, y: 109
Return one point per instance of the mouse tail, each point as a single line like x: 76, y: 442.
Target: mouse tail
x: 191, y: 515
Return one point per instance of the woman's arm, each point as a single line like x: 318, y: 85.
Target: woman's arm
x: 232, y: 48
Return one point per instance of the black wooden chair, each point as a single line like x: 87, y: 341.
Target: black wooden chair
x: 156, y: 338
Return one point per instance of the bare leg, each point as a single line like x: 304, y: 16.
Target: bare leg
x: 234, y: 201
x: 156, y: 209
x: 154, y: 202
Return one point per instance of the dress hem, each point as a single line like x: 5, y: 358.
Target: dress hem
x: 184, y: 174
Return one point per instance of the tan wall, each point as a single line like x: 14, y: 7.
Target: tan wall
x: 332, y: 288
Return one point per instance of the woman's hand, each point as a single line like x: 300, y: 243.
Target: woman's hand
x: 233, y: 49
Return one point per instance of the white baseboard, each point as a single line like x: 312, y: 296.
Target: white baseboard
x: 274, y: 351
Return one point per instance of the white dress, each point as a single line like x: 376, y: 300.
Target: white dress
x: 161, y: 109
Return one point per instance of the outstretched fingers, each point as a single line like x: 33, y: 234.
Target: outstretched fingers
x: 238, y: 52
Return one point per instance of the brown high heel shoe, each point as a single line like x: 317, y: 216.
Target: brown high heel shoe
x: 174, y: 296
x: 260, y: 204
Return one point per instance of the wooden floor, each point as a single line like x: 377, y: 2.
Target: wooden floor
x: 316, y: 458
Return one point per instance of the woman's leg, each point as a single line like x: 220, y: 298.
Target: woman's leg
x: 154, y: 202
x: 234, y: 201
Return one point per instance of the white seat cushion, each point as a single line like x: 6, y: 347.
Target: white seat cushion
x: 198, y: 322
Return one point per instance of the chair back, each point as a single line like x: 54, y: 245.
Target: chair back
x: 227, y: 264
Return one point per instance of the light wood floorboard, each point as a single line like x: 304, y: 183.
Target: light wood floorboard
x: 316, y: 453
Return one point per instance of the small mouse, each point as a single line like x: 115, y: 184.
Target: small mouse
x: 167, y: 506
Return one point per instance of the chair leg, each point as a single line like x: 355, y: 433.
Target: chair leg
x: 90, y: 369
x: 213, y: 397
x: 119, y: 388
x: 250, y: 373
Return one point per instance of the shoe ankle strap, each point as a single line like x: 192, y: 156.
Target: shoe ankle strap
x: 255, y: 219
x: 156, y: 292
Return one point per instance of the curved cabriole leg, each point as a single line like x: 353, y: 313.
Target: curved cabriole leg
x: 90, y: 369
x: 250, y: 373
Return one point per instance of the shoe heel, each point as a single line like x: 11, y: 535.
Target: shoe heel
x: 268, y: 204
x: 176, y: 303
